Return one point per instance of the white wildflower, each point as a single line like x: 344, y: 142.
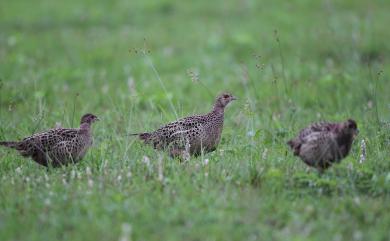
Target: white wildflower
x: 206, y: 161
x: 126, y: 232
x: 88, y: 171
x: 131, y: 85
x: 90, y: 183
x: 18, y: 170
x: 160, y: 168
x: 129, y: 174
x: 362, y: 151
x: 250, y: 133
x: 370, y: 104
x: 264, y: 155
x: 72, y: 174
x: 146, y: 161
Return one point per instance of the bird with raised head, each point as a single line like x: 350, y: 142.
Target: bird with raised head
x: 322, y: 144
x: 58, y: 146
x: 193, y: 134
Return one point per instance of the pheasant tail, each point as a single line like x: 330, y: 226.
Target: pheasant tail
x: 10, y: 144
x: 143, y: 136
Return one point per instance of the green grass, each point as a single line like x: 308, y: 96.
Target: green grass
x: 289, y: 62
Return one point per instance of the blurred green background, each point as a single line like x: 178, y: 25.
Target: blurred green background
x: 137, y: 63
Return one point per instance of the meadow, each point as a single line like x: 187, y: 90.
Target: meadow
x: 140, y: 64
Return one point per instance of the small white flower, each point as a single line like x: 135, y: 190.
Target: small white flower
x: 88, y: 171
x: 206, y: 162
x: 131, y: 85
x: 146, y: 160
x: 160, y: 168
x: 250, y: 133
x: 126, y: 232
x: 90, y: 183
x: 58, y: 125
x: 18, y: 170
x: 129, y: 174
x: 362, y: 151
x: 72, y: 174
x: 357, y: 200
x: 264, y: 155
x: 119, y: 178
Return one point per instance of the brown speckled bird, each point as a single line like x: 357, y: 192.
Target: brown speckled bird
x: 322, y: 144
x: 58, y: 146
x: 192, y: 134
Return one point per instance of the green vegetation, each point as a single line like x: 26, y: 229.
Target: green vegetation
x: 289, y: 62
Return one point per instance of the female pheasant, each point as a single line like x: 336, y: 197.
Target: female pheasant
x: 58, y: 146
x: 192, y: 134
x: 322, y: 144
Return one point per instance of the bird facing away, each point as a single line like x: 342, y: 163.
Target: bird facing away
x: 58, y: 146
x: 191, y: 135
x: 324, y: 143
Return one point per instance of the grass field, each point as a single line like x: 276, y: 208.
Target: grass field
x: 139, y: 64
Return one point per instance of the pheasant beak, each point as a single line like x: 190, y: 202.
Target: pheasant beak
x: 97, y: 119
x: 234, y: 98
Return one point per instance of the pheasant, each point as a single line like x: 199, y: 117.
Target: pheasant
x: 193, y: 134
x: 324, y: 143
x: 58, y: 146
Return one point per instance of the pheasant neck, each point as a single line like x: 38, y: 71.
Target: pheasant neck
x: 218, y: 109
x: 85, y: 126
x: 345, y: 139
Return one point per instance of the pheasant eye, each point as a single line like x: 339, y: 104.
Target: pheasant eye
x: 225, y: 96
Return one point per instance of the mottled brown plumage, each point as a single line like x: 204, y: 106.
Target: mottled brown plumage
x: 322, y: 144
x: 199, y: 132
x: 58, y: 146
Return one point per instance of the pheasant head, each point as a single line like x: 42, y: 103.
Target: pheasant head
x: 223, y: 100
x: 88, y: 119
